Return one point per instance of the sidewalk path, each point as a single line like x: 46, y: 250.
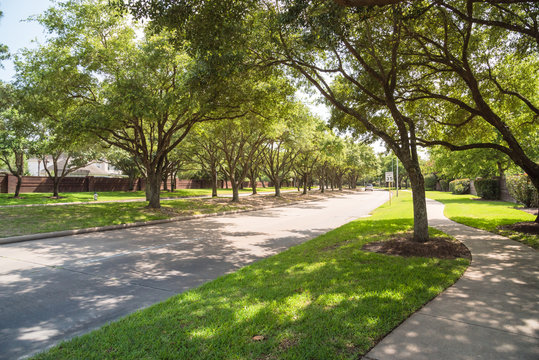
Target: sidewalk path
x: 492, y: 312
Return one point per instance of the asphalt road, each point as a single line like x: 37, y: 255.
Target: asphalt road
x: 57, y: 288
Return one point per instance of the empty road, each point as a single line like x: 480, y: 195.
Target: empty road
x: 57, y: 288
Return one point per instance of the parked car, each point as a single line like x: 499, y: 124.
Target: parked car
x: 369, y: 187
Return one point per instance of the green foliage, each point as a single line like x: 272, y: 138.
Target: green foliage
x: 430, y: 182
x: 488, y: 189
x: 522, y: 190
x: 460, y: 186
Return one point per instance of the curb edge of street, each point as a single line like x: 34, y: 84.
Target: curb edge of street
x: 47, y: 235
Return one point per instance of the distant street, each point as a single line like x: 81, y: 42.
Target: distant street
x: 58, y: 288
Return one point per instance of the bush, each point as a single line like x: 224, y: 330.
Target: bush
x: 460, y: 186
x: 444, y: 184
x: 488, y: 189
x: 521, y: 188
x: 430, y: 182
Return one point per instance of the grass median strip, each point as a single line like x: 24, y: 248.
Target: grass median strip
x: 324, y: 299
x: 33, y: 220
x: 67, y: 197
x: 486, y: 215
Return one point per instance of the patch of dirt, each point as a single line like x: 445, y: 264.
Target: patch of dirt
x: 526, y: 227
x: 532, y: 211
x: 259, y: 200
x: 441, y: 247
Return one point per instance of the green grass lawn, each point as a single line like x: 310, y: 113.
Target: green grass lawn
x: 44, y: 198
x: 324, y: 299
x: 487, y: 215
x: 40, y: 219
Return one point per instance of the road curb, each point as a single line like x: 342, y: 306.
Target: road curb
x: 40, y: 236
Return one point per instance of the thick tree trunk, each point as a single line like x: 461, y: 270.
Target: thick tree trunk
x: 56, y: 186
x: 235, y: 191
x: 277, y: 186
x: 153, y: 191
x: 214, y: 183
x: 421, y: 223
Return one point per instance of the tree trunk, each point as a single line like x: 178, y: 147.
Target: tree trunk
x: 56, y: 186
x: 277, y: 182
x: 421, y: 222
x: 262, y: 182
x: 18, y: 186
x: 305, y: 184
x: 214, y: 183
x: 253, y: 185
x: 153, y: 191
x: 235, y: 191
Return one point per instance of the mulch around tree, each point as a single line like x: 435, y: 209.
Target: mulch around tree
x: 526, y: 227
x: 441, y: 247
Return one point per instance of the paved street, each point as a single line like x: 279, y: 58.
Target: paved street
x: 58, y: 288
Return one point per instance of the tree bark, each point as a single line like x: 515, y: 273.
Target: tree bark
x: 235, y: 191
x: 153, y: 191
x: 214, y: 183
x: 305, y: 184
x: 56, y: 186
x: 18, y: 186
x: 421, y: 223
x: 277, y: 186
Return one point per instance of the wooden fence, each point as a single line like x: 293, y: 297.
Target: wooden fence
x: 93, y: 183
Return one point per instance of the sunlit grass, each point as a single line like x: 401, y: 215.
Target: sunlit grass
x: 487, y: 215
x: 324, y: 299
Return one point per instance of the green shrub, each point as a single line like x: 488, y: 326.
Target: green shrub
x: 430, y: 182
x: 488, y: 188
x: 460, y: 186
x: 444, y: 184
x: 522, y: 190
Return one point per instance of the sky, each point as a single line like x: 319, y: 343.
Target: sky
x: 17, y: 33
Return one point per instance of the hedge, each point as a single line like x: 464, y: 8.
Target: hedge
x: 430, y: 182
x: 444, y: 184
x: 522, y: 190
x: 488, y: 188
x: 460, y: 186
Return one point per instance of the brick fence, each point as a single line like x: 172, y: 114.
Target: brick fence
x: 92, y: 183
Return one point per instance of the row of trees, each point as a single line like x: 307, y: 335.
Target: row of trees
x: 456, y: 73
x: 96, y: 89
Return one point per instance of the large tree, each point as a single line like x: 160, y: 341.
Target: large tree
x: 352, y: 58
x: 475, y: 80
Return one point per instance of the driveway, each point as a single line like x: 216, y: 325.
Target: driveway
x: 57, y: 288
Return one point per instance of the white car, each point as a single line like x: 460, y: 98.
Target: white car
x: 369, y: 187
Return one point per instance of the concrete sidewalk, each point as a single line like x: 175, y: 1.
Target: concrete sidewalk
x: 492, y: 312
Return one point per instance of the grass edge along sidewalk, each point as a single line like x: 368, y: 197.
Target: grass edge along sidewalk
x: 323, y: 299
x: 487, y: 215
